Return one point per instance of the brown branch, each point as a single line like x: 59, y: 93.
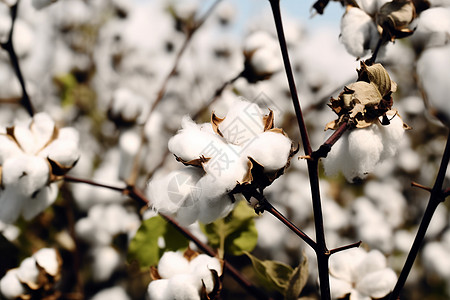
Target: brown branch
x: 339, y: 249
x: 325, y: 148
x: 9, y: 47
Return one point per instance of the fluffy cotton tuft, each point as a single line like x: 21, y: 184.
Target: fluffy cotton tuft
x: 358, y: 32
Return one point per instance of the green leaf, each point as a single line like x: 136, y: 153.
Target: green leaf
x: 144, y: 246
x: 234, y: 234
x: 297, y: 280
x: 272, y: 274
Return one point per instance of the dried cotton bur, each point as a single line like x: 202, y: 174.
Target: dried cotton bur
x: 376, y: 128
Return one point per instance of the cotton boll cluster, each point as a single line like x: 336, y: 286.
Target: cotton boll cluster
x: 184, y: 276
x: 33, y: 155
x: 222, y: 155
x: 35, y: 277
x: 363, y: 275
x: 357, y: 152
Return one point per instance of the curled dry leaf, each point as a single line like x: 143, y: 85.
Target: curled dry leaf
x: 361, y: 103
x: 394, y: 18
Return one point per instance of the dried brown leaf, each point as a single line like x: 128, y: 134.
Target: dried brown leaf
x: 215, y: 121
x: 394, y: 18
x: 268, y: 121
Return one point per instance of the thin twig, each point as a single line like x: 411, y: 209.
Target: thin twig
x: 325, y: 148
x: 9, y: 47
x: 437, y: 196
x: 339, y: 249
x: 137, y: 195
x: 265, y: 205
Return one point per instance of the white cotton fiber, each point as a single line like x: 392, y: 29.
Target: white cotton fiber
x: 358, y: 31
x: 28, y: 272
x: 391, y: 135
x: 270, y: 149
x: 191, y: 142
x: 433, y: 68
x: 10, y: 286
x: 215, y: 208
x: 364, y: 147
x: 172, y: 263
x: 47, y: 258
x: 242, y: 123
x: 184, y: 286
x: 105, y: 261
x: 8, y: 148
x: 201, y: 267
x: 178, y: 188
x: 257, y: 40
x: 158, y: 289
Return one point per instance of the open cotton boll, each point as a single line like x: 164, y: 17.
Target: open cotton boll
x: 215, y: 208
x: 28, y: 272
x: 65, y: 152
x: 172, y: 263
x: 175, y: 190
x: 43, y: 128
x: 10, y: 286
x: 358, y: 32
x: 242, y: 123
x: 158, y: 289
x: 128, y: 105
x: 270, y: 149
x: 265, y: 61
x: 433, y: 27
x: 377, y: 284
x: 48, y: 259
x: 433, y: 68
x: 191, y: 142
x: 257, y: 40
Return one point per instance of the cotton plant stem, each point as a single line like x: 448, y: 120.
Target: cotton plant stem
x: 325, y: 148
x: 437, y: 195
x: 131, y: 180
x: 138, y: 196
x: 322, y: 253
x: 9, y: 47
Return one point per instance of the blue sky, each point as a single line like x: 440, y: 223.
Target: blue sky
x: 298, y: 9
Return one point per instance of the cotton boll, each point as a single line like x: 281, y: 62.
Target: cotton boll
x: 391, y: 135
x: 358, y: 32
x: 191, y: 142
x: 106, y: 261
x: 215, y: 208
x: 242, y: 123
x: 48, y: 259
x: 128, y: 105
x: 5, y: 26
x: 433, y: 67
x: 435, y: 258
x: 172, y: 263
x: 433, y: 28
x: 270, y: 149
x: 257, y: 40
x: 158, y: 289
x: 65, y: 152
x: 339, y: 288
x: 175, y: 190
x: 28, y: 272
x: 10, y: 286
x: 265, y: 61
x: 43, y: 128
x: 377, y: 284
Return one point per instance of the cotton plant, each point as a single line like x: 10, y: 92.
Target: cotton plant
x: 225, y: 159
x: 365, y: 105
x: 187, y: 275
x: 35, y: 277
x: 34, y: 155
